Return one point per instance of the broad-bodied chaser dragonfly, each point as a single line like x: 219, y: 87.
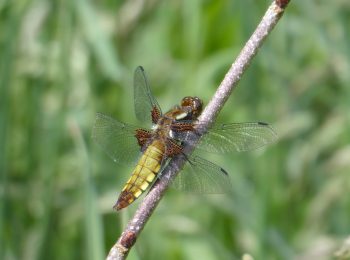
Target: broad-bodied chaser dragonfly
x: 124, y: 143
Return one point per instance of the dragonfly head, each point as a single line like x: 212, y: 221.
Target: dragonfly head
x: 192, y: 106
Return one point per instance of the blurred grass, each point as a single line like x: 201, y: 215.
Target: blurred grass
x: 61, y: 61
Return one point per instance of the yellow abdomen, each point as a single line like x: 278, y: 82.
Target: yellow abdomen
x: 146, y: 170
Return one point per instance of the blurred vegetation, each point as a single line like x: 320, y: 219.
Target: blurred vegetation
x: 62, y: 61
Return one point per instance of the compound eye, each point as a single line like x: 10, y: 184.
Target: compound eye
x: 197, y: 103
x: 186, y: 101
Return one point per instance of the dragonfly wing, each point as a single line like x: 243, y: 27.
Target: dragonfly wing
x: 237, y: 137
x: 116, y: 139
x: 144, y: 101
x: 202, y: 176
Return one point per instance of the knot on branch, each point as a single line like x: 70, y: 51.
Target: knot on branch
x: 128, y: 240
x: 282, y: 3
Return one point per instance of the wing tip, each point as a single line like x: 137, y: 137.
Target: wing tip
x: 140, y: 68
x: 272, y: 132
x: 224, y: 171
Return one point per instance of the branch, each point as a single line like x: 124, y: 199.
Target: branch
x: 128, y: 238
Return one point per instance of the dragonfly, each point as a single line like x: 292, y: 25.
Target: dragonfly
x: 151, y: 149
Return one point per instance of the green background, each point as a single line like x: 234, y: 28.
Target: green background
x: 62, y: 61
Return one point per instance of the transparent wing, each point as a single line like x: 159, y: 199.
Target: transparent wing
x: 116, y: 139
x: 202, y: 176
x: 239, y: 137
x: 144, y: 101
